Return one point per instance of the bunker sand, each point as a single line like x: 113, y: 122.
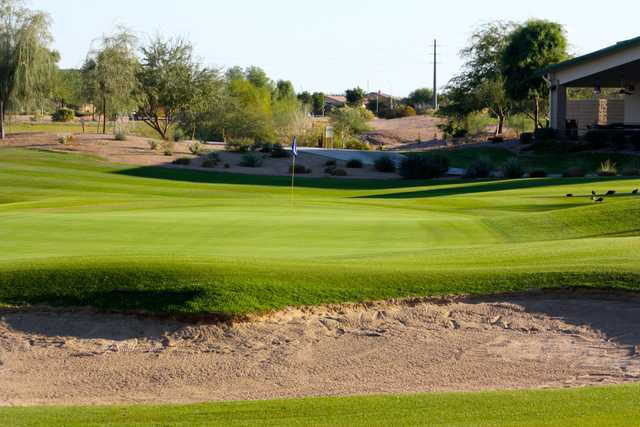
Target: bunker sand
x: 558, y: 339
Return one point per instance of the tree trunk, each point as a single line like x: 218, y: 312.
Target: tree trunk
x: 500, y: 127
x: 536, y: 112
x: 2, y: 133
x: 104, y: 115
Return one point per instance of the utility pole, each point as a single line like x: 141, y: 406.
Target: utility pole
x: 435, y: 74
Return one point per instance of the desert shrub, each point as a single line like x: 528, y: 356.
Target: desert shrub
x: 153, y: 144
x: 211, y: 161
x: 120, y: 136
x: 597, y: 140
x: 330, y: 163
x: 168, y: 148
x: 608, y: 168
x: 574, y: 172
x: 300, y: 169
x: 453, y: 129
x: 356, y: 144
x: 355, y: 164
x: 63, y: 115
x: 408, y: 111
x: 65, y: 139
x: 635, y: 141
x: 265, y: 147
x: 526, y: 137
x: 619, y: 141
x: 430, y: 166
x: 538, y: 173
x: 631, y: 171
x: 251, y: 160
x: 480, y: 168
x: 197, y: 148
x: 178, y: 135
x: 182, y: 161
x: 338, y: 172
x: 545, y: 134
x: 279, y: 152
x: 239, y: 145
x: 227, y: 166
x: 385, y: 164
x: 512, y: 169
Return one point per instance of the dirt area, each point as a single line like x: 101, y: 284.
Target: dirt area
x: 558, y: 339
x: 137, y: 151
x: 397, y: 133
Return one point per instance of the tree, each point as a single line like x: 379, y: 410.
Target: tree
x: 355, y: 97
x: 208, y: 90
x: 258, y: 77
x: 109, y: 75
x: 169, y: 82
x: 317, y: 103
x: 26, y: 63
x: 420, y: 98
x: 530, y: 48
x: 284, y: 90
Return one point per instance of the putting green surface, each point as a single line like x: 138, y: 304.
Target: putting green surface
x: 77, y: 231
x: 601, y: 407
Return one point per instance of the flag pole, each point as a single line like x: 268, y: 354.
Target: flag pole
x: 294, y: 155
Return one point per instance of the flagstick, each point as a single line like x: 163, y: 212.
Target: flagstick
x: 293, y: 177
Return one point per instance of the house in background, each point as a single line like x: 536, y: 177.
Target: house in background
x: 334, y: 101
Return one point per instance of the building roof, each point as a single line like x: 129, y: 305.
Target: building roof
x: 593, y: 55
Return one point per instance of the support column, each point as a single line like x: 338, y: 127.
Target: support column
x: 558, y: 111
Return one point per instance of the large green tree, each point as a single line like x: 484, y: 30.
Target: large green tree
x: 26, y: 63
x: 531, y: 47
x: 109, y: 75
x: 355, y: 97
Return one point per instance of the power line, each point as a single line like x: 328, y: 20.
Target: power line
x: 435, y: 73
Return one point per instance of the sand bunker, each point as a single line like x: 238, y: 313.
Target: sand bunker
x: 540, y: 340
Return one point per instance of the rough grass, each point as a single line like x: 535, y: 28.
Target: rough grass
x: 75, y: 231
x: 596, y: 407
x: 135, y: 128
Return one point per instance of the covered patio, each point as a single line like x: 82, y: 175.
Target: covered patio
x: 617, y: 67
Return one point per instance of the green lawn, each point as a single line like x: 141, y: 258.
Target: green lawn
x: 597, y: 407
x: 76, y: 231
x: 136, y: 128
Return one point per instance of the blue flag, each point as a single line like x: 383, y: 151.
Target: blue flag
x: 294, y: 147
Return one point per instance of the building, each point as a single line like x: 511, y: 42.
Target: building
x: 617, y: 66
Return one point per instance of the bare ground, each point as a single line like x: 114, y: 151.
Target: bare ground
x: 560, y: 339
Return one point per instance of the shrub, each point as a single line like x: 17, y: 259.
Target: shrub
x: 526, y: 137
x: 278, y: 152
x: 385, y: 164
x: 120, y: 136
x: 239, y: 145
x: 227, y: 166
x: 153, y: 144
x: 196, y: 148
x: 408, y: 111
x: 266, y: 147
x: 631, y: 172
x: 619, y: 141
x: 63, y: 115
x: 211, y: 161
x: 182, y: 161
x: 537, y: 173
x: 331, y: 163
x: 545, y: 134
x: 635, y: 141
x: 481, y: 168
x: 356, y: 144
x: 65, y: 139
x: 300, y: 169
x: 178, y: 135
x: 355, y: 164
x: 251, y: 160
x: 597, y: 140
x: 608, y: 168
x: 168, y: 147
x: 512, y: 169
x: 575, y: 172
x: 496, y: 139
x: 338, y: 172
x: 430, y: 166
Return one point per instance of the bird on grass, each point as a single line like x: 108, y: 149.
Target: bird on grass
x: 594, y: 194
x: 611, y: 193
x: 569, y: 195
x: 598, y: 199
x: 635, y: 192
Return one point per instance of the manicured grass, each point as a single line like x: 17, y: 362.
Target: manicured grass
x: 135, y: 128
x: 75, y: 231
x: 601, y: 407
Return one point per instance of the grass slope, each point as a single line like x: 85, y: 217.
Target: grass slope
x: 76, y: 231
x: 612, y: 406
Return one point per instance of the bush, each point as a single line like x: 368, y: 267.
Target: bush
x: 526, y: 137
x: 182, y: 161
x: 251, y: 160
x: 512, y: 169
x: 227, y: 166
x: 196, y: 148
x: 418, y: 166
x: 597, y: 140
x: 635, y: 141
x: 631, y: 172
x: 608, y: 168
x: 496, y: 139
x: 356, y: 144
x: 211, y: 161
x: 331, y: 163
x: 65, y: 139
x: 355, y: 164
x: 168, y: 148
x: 63, y: 115
x: 120, y: 136
x: 239, y: 145
x: 385, y: 164
x: 338, y: 172
x: 545, y: 134
x: 278, y: 152
x: 153, y: 144
x: 408, y: 111
x: 481, y: 168
x: 574, y: 172
x: 265, y: 147
x: 178, y: 135
x: 537, y: 173
x: 300, y: 169
x: 619, y: 141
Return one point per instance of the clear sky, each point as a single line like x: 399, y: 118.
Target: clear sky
x: 331, y: 45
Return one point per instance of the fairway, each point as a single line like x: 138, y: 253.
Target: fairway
x: 77, y: 231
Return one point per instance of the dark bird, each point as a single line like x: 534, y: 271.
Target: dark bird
x: 611, y: 193
x: 635, y: 192
x: 594, y: 194
x: 569, y: 195
x: 598, y: 199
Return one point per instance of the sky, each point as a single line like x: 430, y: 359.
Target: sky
x: 330, y: 45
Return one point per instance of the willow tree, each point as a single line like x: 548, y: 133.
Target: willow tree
x: 109, y: 75
x: 26, y: 63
